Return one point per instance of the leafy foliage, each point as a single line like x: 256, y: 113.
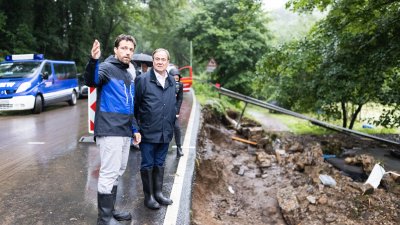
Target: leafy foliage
x: 346, y: 61
x: 159, y: 28
x: 63, y: 29
x: 232, y: 32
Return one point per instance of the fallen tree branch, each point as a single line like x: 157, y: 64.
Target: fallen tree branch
x: 244, y: 140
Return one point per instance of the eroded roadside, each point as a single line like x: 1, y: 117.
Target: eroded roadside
x: 277, y: 182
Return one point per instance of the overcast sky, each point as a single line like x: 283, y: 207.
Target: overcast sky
x: 274, y: 4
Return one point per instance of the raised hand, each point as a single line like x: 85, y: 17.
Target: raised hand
x: 96, y: 52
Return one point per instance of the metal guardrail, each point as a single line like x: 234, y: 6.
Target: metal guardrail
x: 262, y: 104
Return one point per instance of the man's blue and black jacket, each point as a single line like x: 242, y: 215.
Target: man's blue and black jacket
x: 115, y: 97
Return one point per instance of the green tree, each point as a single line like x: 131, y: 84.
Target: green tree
x: 390, y: 117
x: 232, y: 32
x: 354, y: 49
x: 63, y: 29
x: 286, y: 74
x: 16, y: 32
x: 159, y: 28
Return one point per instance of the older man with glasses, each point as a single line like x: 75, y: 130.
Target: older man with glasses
x: 156, y: 114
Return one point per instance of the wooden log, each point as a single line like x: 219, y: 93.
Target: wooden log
x: 244, y: 140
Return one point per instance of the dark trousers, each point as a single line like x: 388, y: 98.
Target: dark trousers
x: 177, y: 132
x: 153, y: 154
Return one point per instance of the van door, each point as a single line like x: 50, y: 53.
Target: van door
x: 49, y: 86
x: 66, y: 81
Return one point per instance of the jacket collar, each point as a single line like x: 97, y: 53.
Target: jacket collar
x: 170, y: 81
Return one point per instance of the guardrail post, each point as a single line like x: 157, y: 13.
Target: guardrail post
x: 241, y: 115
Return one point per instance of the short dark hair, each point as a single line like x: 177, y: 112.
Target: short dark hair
x: 124, y: 37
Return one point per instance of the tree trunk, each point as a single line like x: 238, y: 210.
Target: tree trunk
x: 107, y: 36
x: 344, y: 114
x: 354, y: 116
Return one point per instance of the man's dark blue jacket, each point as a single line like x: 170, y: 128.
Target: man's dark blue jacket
x: 115, y: 97
x: 155, y: 107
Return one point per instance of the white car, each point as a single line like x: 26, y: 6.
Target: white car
x: 82, y: 88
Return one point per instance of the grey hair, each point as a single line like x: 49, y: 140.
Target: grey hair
x: 161, y: 50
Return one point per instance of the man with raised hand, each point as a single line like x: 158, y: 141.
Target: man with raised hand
x: 114, y: 124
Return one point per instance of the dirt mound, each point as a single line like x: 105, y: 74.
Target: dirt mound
x: 278, y: 181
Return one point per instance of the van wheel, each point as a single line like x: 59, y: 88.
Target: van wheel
x: 38, y: 108
x: 73, y: 99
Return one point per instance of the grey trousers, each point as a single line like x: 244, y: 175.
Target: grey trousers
x: 114, y: 153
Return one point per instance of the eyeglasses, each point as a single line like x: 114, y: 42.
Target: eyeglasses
x: 160, y: 59
x: 126, y: 48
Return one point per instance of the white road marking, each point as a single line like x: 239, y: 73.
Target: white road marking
x: 36, y: 143
x: 172, y: 211
x: 190, y: 147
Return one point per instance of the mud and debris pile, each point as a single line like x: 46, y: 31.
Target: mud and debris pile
x: 280, y: 180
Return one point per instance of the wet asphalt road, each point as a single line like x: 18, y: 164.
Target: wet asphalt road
x: 48, y: 177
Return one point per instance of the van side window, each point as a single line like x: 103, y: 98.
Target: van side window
x: 71, y: 68
x: 46, y: 71
x: 65, y: 71
x: 60, y: 72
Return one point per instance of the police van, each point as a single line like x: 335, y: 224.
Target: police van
x: 30, y: 82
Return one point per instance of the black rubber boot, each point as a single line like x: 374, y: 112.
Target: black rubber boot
x: 158, y: 177
x: 119, y: 215
x: 147, y: 181
x: 179, y: 152
x: 105, y: 205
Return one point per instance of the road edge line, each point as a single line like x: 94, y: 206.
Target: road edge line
x: 171, y: 214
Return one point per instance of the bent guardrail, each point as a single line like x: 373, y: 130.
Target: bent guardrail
x: 262, y: 104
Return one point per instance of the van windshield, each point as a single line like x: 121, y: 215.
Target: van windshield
x: 18, y: 69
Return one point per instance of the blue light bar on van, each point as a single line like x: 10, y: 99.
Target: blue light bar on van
x: 24, y: 57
